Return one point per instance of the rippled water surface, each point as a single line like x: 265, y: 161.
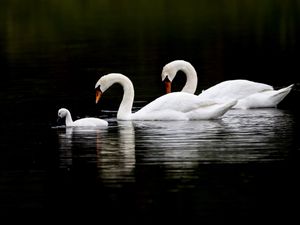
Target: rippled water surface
x: 241, y: 136
x: 238, y: 168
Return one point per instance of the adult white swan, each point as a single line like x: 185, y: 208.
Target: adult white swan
x: 84, y: 122
x: 248, y: 94
x: 172, y: 106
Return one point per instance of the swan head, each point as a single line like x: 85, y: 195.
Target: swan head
x: 106, y: 81
x: 170, y: 70
x: 101, y: 86
x: 98, y: 93
x: 62, y: 112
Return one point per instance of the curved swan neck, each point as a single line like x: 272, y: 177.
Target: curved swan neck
x: 191, y: 78
x: 69, y: 120
x: 124, y: 112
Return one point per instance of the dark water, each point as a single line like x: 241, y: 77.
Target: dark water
x: 242, y: 168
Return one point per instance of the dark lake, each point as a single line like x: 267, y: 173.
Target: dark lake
x: 242, y: 168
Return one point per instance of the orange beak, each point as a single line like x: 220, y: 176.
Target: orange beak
x: 98, y: 95
x: 168, y: 85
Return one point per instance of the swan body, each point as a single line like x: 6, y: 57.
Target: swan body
x: 248, y: 94
x: 264, y: 99
x: 172, y: 106
x: 84, y: 122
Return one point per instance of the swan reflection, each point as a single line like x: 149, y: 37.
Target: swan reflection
x: 174, y: 144
x: 116, y: 160
x: 77, y: 143
x: 241, y: 136
x: 111, y: 151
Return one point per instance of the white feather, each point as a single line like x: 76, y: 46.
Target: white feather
x: 248, y: 94
x: 173, y: 106
x: 84, y: 122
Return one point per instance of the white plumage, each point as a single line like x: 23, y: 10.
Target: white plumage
x: 248, y: 94
x: 84, y: 122
x: 172, y: 106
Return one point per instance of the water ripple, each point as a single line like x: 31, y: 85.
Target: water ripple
x: 241, y: 136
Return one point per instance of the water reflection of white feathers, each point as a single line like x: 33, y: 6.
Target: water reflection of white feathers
x: 241, y: 136
x: 180, y: 146
x: 65, y: 147
x: 116, y: 160
x: 112, y: 150
x: 88, y: 139
x: 174, y: 144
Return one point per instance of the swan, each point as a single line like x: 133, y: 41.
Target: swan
x: 84, y: 122
x: 172, y: 106
x: 248, y: 94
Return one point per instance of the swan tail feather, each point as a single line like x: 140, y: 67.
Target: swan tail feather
x: 281, y: 94
x: 211, y: 112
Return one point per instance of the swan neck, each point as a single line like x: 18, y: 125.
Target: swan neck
x: 69, y: 120
x: 124, y: 112
x: 191, y: 79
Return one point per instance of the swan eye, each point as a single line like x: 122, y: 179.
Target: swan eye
x: 167, y: 79
x: 98, y: 88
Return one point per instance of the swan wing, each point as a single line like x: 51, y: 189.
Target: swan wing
x: 164, y: 114
x: 181, y: 106
x: 89, y: 122
x: 265, y: 99
x: 235, y: 89
x: 177, y: 101
x: 211, y: 111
